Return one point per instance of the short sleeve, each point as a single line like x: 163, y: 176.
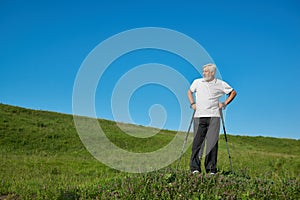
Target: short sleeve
x: 193, y: 86
x: 226, y: 88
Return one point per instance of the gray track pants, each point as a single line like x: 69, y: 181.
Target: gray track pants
x: 209, y: 128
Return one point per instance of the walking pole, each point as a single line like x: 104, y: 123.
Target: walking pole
x: 222, y: 118
x: 185, y: 140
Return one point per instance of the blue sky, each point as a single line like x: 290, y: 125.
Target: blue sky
x: 255, y: 45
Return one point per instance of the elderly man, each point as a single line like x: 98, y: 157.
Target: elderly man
x: 208, y: 91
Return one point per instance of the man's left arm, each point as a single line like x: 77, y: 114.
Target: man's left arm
x: 228, y: 100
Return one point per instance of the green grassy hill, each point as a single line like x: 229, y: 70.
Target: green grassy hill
x: 42, y: 157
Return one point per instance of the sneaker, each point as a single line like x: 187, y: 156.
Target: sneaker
x: 195, y: 172
x: 212, y: 173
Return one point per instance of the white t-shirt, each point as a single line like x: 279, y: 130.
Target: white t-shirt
x: 208, y: 95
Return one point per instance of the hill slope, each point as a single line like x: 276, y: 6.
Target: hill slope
x: 42, y: 156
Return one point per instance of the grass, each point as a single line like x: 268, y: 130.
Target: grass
x: 42, y: 157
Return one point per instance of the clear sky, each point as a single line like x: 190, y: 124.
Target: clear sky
x: 255, y: 45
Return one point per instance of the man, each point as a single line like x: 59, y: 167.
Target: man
x: 208, y: 91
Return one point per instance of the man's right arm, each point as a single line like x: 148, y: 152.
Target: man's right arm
x: 191, y: 99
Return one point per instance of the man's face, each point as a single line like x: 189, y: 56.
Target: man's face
x: 207, y: 75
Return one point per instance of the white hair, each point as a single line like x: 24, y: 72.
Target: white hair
x: 211, y: 67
